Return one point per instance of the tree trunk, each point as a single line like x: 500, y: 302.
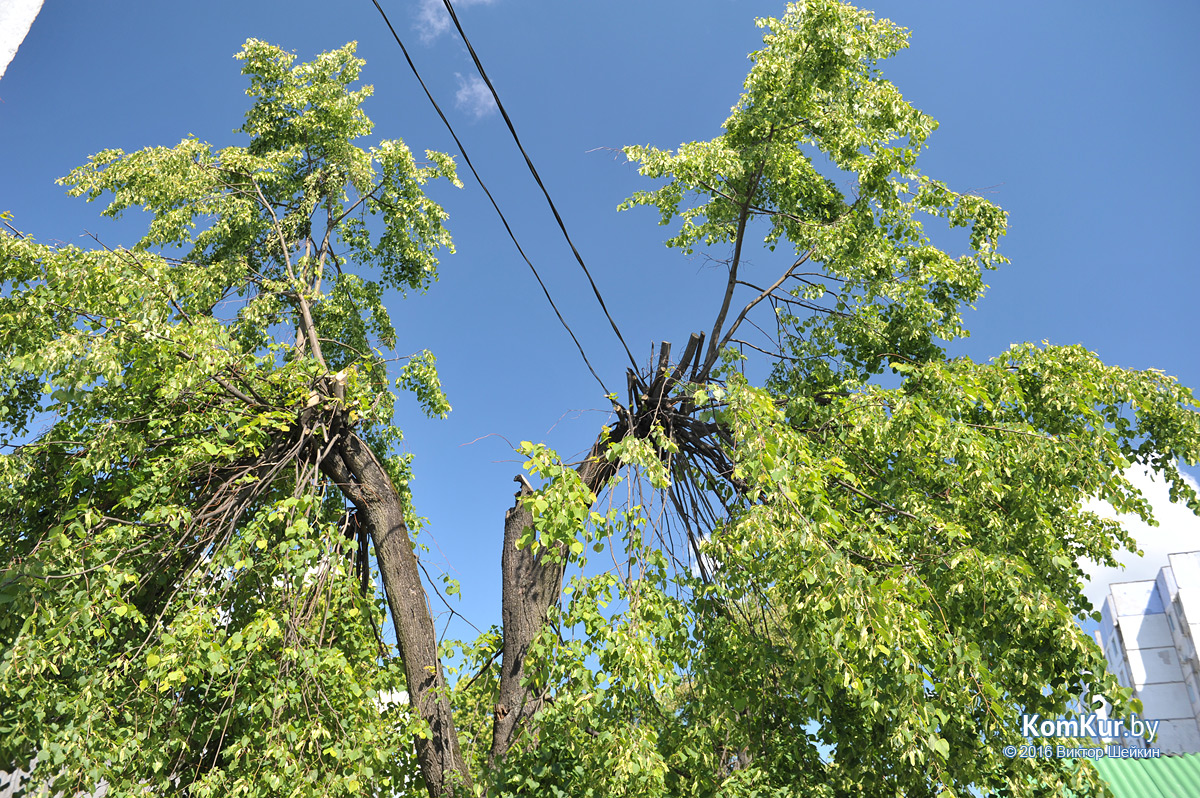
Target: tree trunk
x: 363, y: 479
x: 531, y: 585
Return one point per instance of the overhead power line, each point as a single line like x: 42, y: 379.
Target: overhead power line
x: 482, y: 185
x: 537, y: 178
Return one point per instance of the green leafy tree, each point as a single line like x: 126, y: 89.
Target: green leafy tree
x: 850, y: 579
x: 180, y: 603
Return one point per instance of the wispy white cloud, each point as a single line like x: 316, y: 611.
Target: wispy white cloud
x: 433, y: 19
x: 473, y: 96
x: 1178, y: 530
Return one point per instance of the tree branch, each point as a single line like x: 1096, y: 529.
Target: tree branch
x: 766, y: 293
x: 714, y: 348
x: 306, y: 320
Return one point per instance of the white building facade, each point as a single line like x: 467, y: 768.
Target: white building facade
x: 1148, y: 632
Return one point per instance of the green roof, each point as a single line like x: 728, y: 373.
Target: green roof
x: 1168, y: 777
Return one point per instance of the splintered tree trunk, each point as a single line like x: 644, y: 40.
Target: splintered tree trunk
x: 531, y: 585
x: 365, y: 482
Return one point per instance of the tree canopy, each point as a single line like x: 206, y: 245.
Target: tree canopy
x: 851, y: 577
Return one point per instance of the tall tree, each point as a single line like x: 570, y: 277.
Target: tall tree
x: 850, y: 579
x: 882, y: 579
x: 216, y: 394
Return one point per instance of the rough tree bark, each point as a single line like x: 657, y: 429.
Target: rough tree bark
x: 366, y: 483
x: 532, y: 584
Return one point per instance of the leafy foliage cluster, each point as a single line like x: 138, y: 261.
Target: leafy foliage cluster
x: 179, y: 602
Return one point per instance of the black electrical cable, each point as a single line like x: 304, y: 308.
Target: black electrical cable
x: 537, y: 178
x: 478, y: 179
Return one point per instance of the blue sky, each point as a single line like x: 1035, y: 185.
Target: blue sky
x: 1080, y: 121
